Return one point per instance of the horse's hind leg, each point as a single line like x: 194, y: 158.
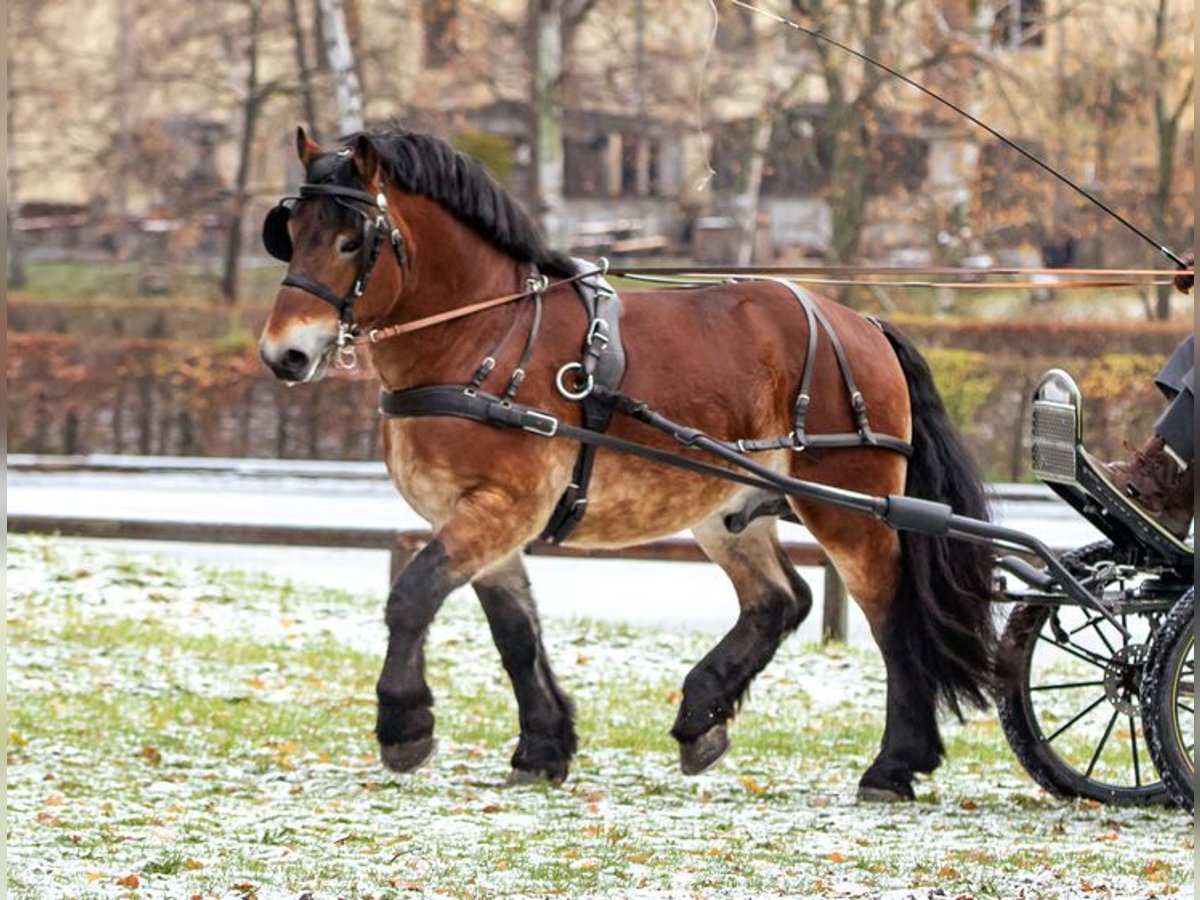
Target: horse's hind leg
x: 867, y: 556
x: 547, y: 741
x: 773, y: 599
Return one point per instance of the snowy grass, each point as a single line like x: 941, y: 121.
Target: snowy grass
x: 183, y: 732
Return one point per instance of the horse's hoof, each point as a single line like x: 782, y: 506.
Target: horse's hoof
x: 523, y: 777
x: 704, y: 752
x: 409, y: 756
x: 869, y: 793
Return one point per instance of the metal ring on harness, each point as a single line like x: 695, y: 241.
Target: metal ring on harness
x: 587, y: 382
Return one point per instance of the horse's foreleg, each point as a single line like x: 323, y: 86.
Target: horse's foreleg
x: 547, y: 742
x: 774, y: 600
x: 474, y: 539
x: 404, y: 724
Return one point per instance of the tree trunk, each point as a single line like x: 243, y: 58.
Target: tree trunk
x: 233, y: 247
x: 750, y: 200
x: 307, y: 99
x: 17, y: 277
x: 548, y: 116
x: 1166, y: 121
x: 847, y: 183
x: 16, y: 249
x: 341, y: 62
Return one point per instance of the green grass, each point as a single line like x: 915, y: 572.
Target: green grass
x: 210, y: 733
x: 98, y: 281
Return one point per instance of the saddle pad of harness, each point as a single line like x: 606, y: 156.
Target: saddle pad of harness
x: 604, y: 361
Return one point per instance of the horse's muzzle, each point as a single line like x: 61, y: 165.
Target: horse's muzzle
x: 303, y: 355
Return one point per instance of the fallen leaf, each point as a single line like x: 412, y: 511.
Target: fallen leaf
x: 1109, y: 836
x: 1157, y: 871
x: 129, y: 881
x: 501, y: 865
x: 968, y: 804
x: 46, y: 818
x: 947, y: 872
x: 152, y: 755
x: 93, y: 877
x: 675, y: 698
x: 491, y: 808
x: 192, y: 865
x: 835, y: 857
x: 54, y: 800
x: 751, y: 785
x: 639, y: 859
x: 256, y: 683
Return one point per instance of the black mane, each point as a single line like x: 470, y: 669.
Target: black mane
x: 425, y: 165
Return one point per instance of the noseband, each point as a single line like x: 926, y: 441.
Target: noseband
x: 376, y: 224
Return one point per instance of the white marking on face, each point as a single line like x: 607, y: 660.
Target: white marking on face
x: 316, y: 342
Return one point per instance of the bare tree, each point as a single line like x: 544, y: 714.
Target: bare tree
x: 303, y: 71
x: 251, y: 107
x: 547, y: 17
x: 1168, y: 111
x: 341, y: 60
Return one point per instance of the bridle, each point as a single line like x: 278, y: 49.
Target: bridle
x: 376, y: 223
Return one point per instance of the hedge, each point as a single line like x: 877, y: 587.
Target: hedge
x: 74, y: 394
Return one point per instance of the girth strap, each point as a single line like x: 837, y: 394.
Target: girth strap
x: 452, y: 400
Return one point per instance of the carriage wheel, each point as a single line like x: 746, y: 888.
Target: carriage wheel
x: 1068, y: 698
x: 1168, y: 704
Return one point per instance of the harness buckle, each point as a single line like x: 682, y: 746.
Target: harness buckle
x: 540, y: 423
x: 598, y: 332
x: 536, y: 284
x: 347, y: 353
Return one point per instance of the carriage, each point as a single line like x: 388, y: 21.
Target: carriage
x: 1091, y: 709
x: 720, y: 404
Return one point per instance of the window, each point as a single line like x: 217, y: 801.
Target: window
x: 1018, y: 23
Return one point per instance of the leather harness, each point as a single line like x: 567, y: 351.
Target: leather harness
x: 596, y: 379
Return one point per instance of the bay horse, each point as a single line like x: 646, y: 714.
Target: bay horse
x: 396, y: 227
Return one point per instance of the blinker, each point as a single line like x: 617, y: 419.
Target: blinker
x: 275, y: 236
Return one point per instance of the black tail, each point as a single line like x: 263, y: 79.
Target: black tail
x: 941, y: 618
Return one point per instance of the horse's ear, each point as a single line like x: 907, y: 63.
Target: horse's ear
x: 366, y: 160
x: 306, y: 147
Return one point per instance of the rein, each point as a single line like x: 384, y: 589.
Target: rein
x: 535, y: 285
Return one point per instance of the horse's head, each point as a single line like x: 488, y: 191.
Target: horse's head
x: 345, y: 255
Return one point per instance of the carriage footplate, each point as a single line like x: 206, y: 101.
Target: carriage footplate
x: 1060, y: 460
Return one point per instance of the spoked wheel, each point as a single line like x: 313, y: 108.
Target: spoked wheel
x: 1068, y: 698
x: 1168, y: 701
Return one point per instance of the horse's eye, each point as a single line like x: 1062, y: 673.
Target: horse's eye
x: 350, y: 245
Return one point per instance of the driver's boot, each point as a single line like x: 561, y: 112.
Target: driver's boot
x: 1156, y: 482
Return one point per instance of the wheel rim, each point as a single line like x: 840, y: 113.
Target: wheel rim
x: 1083, y: 678
x: 1183, y: 705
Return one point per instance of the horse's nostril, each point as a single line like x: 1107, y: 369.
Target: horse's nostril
x: 295, y: 361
